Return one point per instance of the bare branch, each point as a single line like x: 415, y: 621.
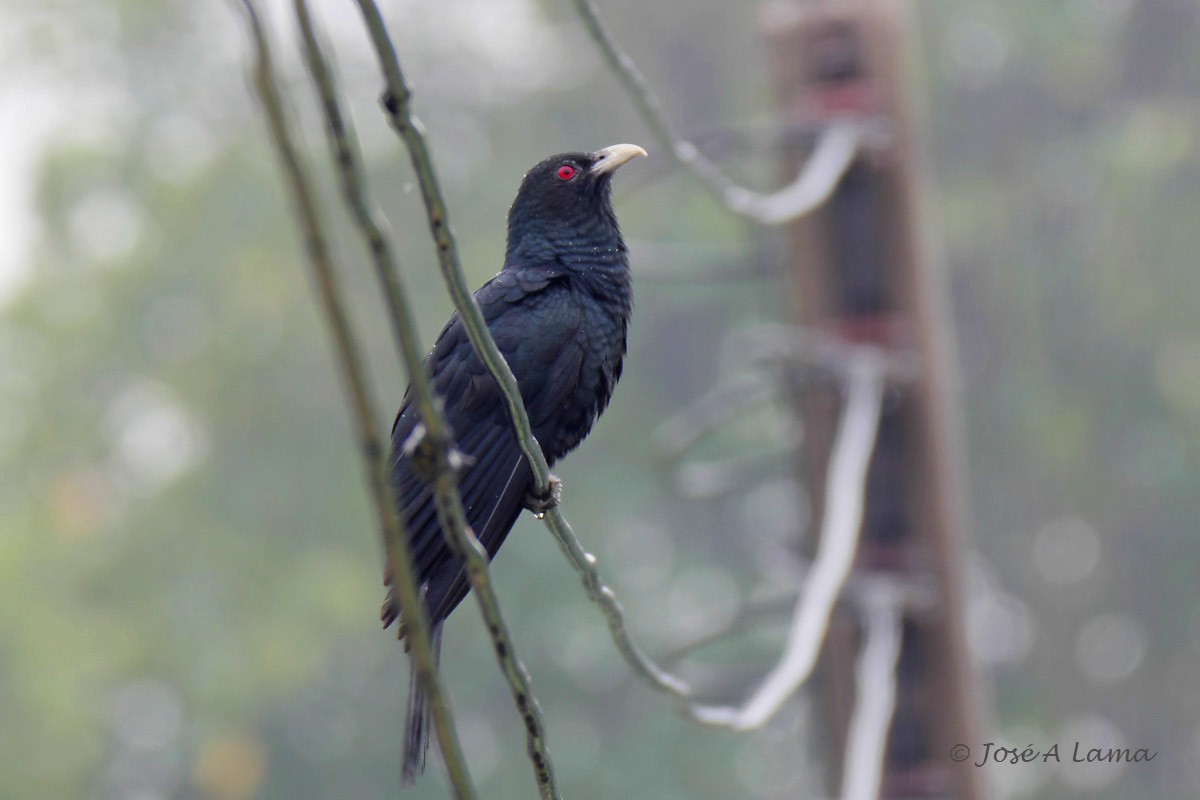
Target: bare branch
x: 833, y: 154
x: 362, y: 405
x: 396, y: 102
x: 585, y: 564
x: 343, y: 143
x: 844, y: 502
x: 445, y: 485
x: 875, y: 676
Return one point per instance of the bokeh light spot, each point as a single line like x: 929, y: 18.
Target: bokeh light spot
x: 1066, y: 551
x: 1110, y: 647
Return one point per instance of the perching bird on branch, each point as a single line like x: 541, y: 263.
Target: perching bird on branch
x: 559, y: 312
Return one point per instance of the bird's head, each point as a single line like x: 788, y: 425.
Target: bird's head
x: 564, y: 205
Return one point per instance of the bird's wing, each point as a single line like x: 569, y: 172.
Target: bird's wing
x: 531, y: 321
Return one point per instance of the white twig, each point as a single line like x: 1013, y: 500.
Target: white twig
x: 844, y: 500
x: 875, y: 674
x: 831, y: 156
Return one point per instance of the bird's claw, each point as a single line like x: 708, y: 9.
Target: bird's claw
x: 391, y: 101
x: 540, y: 504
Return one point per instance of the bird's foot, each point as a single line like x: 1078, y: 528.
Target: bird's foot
x: 392, y: 102
x: 540, y: 504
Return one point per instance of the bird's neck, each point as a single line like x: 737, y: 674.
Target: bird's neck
x: 600, y: 267
x: 591, y: 243
x: 586, y: 237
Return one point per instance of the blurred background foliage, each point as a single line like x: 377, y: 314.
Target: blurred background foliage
x: 188, y: 573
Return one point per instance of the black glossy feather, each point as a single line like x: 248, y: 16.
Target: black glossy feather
x: 559, y: 312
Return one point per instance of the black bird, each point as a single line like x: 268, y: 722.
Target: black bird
x: 559, y: 311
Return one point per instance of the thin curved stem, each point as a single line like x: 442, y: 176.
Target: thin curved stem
x: 437, y: 441
x: 362, y: 405
x: 400, y: 114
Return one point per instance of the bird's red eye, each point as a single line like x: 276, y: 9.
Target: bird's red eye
x: 566, y: 172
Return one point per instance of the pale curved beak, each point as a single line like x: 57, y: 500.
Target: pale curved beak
x: 608, y: 159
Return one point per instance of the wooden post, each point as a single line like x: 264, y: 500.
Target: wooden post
x: 861, y: 268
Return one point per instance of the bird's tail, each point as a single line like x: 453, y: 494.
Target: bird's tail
x: 416, y: 721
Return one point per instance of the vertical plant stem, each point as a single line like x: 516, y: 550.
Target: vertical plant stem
x: 362, y: 405
x: 397, y: 103
x: 438, y: 439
